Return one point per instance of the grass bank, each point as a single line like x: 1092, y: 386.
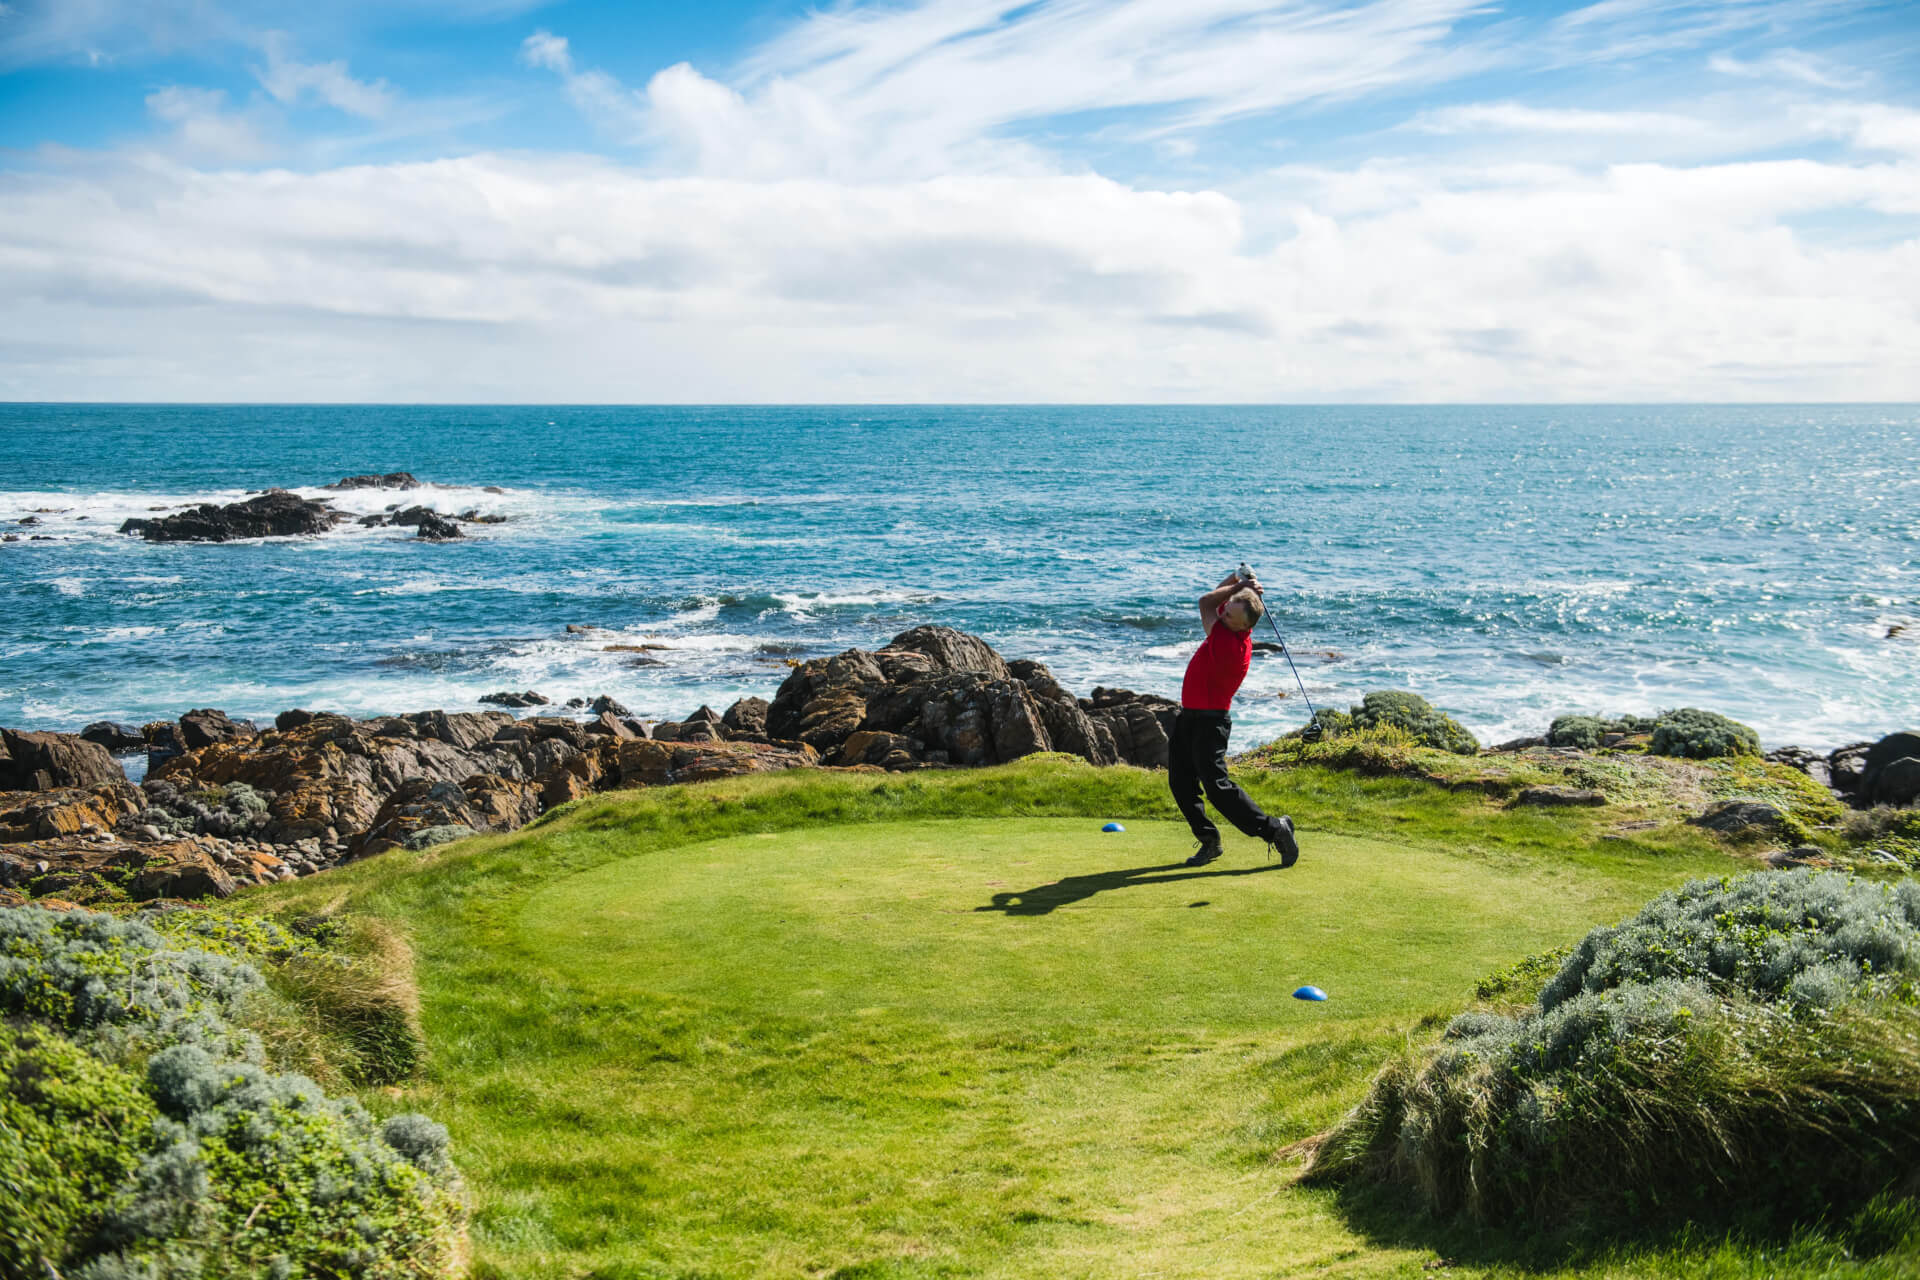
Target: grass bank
x: 940, y: 1025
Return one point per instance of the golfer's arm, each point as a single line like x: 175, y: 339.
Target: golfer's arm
x: 1210, y: 603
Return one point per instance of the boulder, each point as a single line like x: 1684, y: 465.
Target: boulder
x: 1741, y: 818
x: 391, y: 480
x: 1884, y: 779
x: 86, y: 868
x: 48, y: 761
x: 438, y: 529
x: 66, y: 811
x: 604, y: 705
x: 886, y: 750
x: 950, y: 651
x: 273, y: 514
x: 409, y: 517
x: 1898, y: 782
x: 289, y: 720
x: 417, y: 805
x: 207, y: 726
x: 507, y: 698
x: 748, y: 715
x: 1558, y: 797
x: 115, y: 736
x: 1847, y: 765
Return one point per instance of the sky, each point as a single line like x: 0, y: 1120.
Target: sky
x: 1180, y: 201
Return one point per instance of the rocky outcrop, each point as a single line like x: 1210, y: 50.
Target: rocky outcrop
x: 115, y: 736
x: 273, y: 514
x: 438, y: 528
x: 507, y: 698
x: 937, y: 696
x: 83, y: 866
x: 1864, y: 773
x: 49, y: 761
x: 391, y: 480
x: 227, y: 804
x: 207, y: 726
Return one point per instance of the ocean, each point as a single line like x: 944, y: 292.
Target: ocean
x: 1508, y: 563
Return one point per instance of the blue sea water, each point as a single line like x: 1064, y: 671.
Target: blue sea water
x: 1509, y: 563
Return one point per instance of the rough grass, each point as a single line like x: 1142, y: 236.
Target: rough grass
x: 762, y: 1027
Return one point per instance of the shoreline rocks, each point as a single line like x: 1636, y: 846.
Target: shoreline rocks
x: 273, y: 514
x: 228, y: 803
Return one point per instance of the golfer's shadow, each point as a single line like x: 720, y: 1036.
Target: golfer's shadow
x: 1041, y: 899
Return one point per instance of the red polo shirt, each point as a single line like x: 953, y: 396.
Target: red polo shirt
x: 1216, y: 669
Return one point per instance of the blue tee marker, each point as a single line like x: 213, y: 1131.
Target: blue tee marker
x: 1309, y: 993
x: 1113, y: 826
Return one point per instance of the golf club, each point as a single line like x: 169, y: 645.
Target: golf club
x: 1312, y: 731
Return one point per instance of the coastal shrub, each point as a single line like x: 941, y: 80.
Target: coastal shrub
x: 1701, y: 735
x: 100, y: 978
x: 71, y: 1131
x: 254, y: 1173
x: 1418, y: 717
x: 1585, y: 732
x: 1739, y: 1041
x: 147, y: 1143
x: 235, y: 809
x: 1589, y: 732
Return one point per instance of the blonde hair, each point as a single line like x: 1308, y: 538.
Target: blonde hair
x: 1256, y: 608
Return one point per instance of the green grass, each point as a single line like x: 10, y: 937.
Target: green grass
x: 940, y: 1025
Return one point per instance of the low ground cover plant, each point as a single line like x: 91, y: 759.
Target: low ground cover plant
x: 1740, y: 1042
x: 144, y: 1136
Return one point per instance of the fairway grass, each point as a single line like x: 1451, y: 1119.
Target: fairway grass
x: 945, y: 1026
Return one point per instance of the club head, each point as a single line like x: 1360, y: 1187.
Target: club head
x: 1313, y: 732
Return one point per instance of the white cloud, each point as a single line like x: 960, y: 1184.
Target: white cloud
x: 1515, y: 117
x: 204, y: 129
x: 289, y: 80
x: 582, y: 279
x: 919, y: 89
x: 1788, y: 64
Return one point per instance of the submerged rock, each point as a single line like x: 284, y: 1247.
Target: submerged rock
x: 391, y: 480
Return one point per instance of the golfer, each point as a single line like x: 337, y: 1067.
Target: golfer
x: 1197, y: 760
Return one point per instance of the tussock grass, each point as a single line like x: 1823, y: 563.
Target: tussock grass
x: 1742, y: 1043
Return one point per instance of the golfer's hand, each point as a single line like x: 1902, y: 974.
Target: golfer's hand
x: 1253, y: 585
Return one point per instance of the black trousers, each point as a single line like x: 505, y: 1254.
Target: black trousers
x: 1197, y: 773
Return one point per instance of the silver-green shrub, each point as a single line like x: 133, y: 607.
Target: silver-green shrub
x: 1701, y: 735
x: 209, y: 1165
x: 1740, y: 1040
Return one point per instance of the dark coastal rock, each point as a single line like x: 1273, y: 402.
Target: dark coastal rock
x: 207, y: 726
x: 1898, y: 783
x: 50, y: 761
x: 437, y: 528
x: 603, y: 705
x: 945, y: 697
x: 1558, y: 797
x: 1890, y: 770
x: 747, y: 716
x: 273, y: 514
x: 115, y: 736
x: 1742, y: 817
x: 408, y: 517
x: 507, y: 698
x: 292, y: 719
x: 391, y: 480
